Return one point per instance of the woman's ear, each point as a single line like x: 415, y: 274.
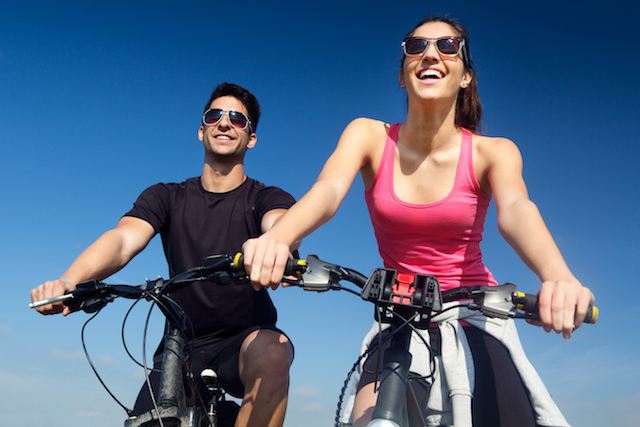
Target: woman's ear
x: 466, y: 80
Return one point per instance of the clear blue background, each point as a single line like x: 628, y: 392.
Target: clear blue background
x: 101, y: 99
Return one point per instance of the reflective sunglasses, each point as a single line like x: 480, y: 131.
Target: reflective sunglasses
x: 446, y: 46
x: 238, y: 120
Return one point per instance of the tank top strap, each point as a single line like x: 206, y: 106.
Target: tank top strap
x: 385, y: 168
x: 389, y: 154
x: 465, y: 167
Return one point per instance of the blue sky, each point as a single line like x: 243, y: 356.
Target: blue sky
x: 102, y: 99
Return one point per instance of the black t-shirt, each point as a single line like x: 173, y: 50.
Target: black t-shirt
x: 194, y: 224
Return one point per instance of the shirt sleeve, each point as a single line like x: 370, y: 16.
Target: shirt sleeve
x: 153, y: 206
x: 270, y: 198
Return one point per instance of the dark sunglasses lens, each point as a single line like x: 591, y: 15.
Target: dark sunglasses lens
x: 237, y: 119
x: 415, y: 46
x: 213, y: 116
x: 448, y: 46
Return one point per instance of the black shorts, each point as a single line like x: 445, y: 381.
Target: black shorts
x: 499, y: 398
x: 220, y: 354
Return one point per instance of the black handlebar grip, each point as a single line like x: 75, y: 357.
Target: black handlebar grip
x: 294, y: 266
x: 529, y: 304
x: 592, y: 315
x: 526, y: 302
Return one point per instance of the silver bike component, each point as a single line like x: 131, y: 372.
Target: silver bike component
x: 317, y: 277
x: 50, y: 301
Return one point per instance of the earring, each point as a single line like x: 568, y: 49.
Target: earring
x: 464, y: 85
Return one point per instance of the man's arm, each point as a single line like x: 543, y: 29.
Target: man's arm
x: 107, y: 255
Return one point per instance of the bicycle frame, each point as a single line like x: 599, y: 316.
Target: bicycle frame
x: 412, y: 297
x: 391, y: 408
x: 177, y: 403
x: 172, y: 405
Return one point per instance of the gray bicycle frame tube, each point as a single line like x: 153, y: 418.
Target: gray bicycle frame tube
x: 391, y: 404
x: 172, y: 403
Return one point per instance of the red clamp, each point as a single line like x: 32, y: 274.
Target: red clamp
x: 403, y: 289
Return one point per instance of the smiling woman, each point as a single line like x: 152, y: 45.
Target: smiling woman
x: 428, y: 184
x: 468, y: 106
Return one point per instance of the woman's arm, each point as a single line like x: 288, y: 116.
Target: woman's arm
x: 266, y: 256
x: 563, y: 301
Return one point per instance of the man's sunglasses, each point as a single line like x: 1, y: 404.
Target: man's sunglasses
x: 446, y: 46
x: 238, y: 120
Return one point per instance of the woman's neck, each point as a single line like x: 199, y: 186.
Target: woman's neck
x: 429, y: 125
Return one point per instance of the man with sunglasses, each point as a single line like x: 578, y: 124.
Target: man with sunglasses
x: 233, y: 324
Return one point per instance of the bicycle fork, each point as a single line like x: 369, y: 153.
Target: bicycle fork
x: 391, y: 404
x: 172, y: 405
x: 397, y: 404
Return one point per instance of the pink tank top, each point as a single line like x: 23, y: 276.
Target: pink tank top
x: 440, y: 239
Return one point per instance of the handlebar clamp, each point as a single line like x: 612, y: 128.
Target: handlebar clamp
x: 418, y: 293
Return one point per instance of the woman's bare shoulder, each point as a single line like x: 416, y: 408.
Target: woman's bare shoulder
x: 493, y: 148
x: 369, y: 127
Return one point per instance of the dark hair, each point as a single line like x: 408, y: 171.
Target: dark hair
x: 241, y: 94
x: 468, y: 106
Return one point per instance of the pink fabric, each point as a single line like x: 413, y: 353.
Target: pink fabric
x: 440, y: 239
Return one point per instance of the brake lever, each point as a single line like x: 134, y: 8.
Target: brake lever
x: 319, y: 276
x: 495, y: 301
x: 86, y: 297
x: 293, y: 282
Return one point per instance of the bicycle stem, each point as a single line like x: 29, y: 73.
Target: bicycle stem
x: 391, y: 407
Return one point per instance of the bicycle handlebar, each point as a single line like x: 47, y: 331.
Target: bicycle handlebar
x: 422, y: 292
x: 413, y: 297
x: 92, y: 295
x: 382, y: 286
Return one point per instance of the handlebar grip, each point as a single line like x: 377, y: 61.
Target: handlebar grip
x: 526, y: 302
x: 294, y: 267
x: 529, y: 304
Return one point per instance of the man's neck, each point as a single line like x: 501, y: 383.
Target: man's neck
x: 218, y: 179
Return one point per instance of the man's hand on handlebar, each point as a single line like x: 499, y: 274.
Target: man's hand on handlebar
x: 50, y: 289
x: 562, y: 306
x: 265, y: 260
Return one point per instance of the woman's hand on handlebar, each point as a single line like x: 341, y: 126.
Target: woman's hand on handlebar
x: 50, y: 289
x: 265, y: 260
x: 562, y: 306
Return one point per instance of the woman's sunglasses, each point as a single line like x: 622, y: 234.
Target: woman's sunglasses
x: 238, y: 120
x: 446, y: 46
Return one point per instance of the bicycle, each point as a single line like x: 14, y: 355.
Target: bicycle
x: 409, y: 302
x: 401, y: 300
x: 179, y: 402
